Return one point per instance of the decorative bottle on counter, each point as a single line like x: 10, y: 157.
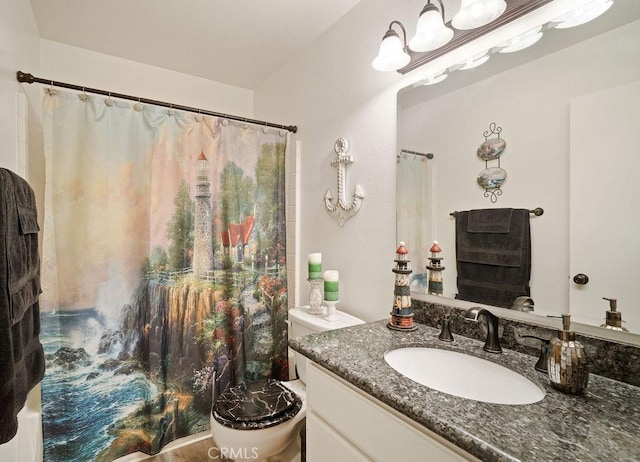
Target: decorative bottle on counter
x: 567, y: 367
x: 614, y: 317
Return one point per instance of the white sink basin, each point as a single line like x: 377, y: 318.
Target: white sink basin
x: 463, y: 375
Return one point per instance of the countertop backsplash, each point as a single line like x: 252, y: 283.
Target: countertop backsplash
x: 609, y: 359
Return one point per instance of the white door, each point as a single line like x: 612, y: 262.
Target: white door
x: 605, y: 204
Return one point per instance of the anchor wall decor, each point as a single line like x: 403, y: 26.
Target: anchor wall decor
x: 342, y: 211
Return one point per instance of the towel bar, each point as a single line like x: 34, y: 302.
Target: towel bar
x: 538, y: 211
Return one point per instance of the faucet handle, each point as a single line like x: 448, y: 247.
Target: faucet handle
x: 492, y: 343
x: 541, y: 365
x: 445, y: 334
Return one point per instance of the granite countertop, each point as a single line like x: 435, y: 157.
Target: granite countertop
x: 602, y: 424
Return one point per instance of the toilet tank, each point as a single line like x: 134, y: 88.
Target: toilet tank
x: 303, y: 323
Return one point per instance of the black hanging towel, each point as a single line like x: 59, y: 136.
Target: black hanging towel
x: 21, y: 353
x: 493, y: 255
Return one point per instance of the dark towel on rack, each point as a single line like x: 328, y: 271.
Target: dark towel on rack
x: 489, y: 221
x: 21, y: 353
x: 494, y: 267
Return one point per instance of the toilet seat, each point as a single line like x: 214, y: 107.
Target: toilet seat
x: 256, y: 405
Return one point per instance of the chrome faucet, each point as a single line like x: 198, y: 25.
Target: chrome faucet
x: 492, y: 343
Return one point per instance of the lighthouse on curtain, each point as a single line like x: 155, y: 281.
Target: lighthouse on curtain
x: 202, y: 239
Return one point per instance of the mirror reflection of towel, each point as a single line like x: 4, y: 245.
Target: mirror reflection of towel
x: 493, y: 255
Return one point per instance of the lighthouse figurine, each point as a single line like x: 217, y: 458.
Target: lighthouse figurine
x: 401, y: 314
x: 435, y: 270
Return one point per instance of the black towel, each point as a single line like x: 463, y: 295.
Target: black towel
x: 489, y: 221
x: 493, y: 255
x: 21, y: 353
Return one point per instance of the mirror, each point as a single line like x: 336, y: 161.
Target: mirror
x: 551, y: 100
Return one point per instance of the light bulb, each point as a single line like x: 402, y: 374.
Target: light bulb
x: 476, y: 13
x: 391, y: 55
x: 431, y: 33
x: 584, y: 13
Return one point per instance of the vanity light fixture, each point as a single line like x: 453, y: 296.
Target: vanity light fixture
x: 431, y: 32
x: 522, y: 41
x: 477, y: 13
x: 585, y: 11
x: 475, y: 19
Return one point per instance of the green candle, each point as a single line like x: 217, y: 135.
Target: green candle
x: 331, y: 293
x: 315, y: 265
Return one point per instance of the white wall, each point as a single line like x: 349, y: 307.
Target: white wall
x: 20, y: 140
x: 531, y: 104
x: 331, y: 91
x: 79, y: 66
x: 19, y: 49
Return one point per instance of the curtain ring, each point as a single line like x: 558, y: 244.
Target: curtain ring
x: 108, y: 101
x: 139, y: 107
x: 198, y: 116
x: 83, y: 96
x: 51, y: 91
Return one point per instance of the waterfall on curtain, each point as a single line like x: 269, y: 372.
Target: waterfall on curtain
x: 163, y: 271
x: 414, y: 198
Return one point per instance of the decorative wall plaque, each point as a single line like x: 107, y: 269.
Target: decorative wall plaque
x: 492, y: 178
x: 343, y: 210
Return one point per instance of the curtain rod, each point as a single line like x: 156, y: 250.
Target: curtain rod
x: 29, y: 78
x: 415, y: 153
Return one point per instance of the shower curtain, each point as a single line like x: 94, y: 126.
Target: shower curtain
x: 414, y: 198
x: 163, y: 271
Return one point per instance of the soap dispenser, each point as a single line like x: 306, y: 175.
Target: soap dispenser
x: 614, y: 317
x: 567, y: 368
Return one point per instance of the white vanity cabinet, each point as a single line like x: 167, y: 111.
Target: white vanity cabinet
x: 346, y: 424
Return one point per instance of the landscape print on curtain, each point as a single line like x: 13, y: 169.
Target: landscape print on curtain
x: 163, y: 269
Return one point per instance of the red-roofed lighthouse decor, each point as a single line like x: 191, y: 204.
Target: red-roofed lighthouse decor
x: 401, y: 314
x: 435, y: 270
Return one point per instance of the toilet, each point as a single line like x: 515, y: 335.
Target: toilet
x: 260, y: 420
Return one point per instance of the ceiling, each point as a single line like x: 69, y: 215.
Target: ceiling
x: 237, y: 42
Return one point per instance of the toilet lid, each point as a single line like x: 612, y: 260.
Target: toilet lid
x: 256, y: 405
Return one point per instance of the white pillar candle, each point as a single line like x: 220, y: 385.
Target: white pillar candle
x: 331, y: 275
x: 331, y: 292
x: 315, y: 265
